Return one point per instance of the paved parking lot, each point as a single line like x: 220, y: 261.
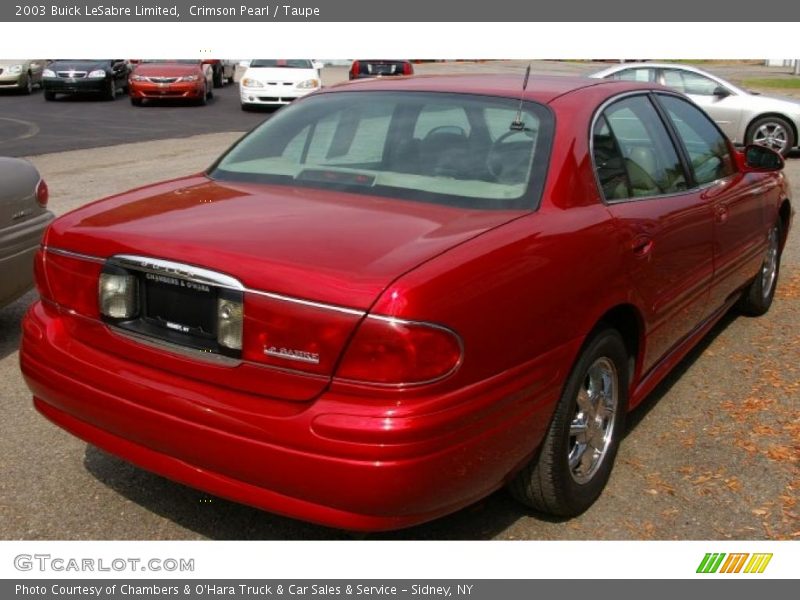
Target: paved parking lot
x: 713, y: 454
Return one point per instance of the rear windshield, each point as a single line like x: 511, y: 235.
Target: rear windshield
x: 281, y: 63
x: 443, y: 148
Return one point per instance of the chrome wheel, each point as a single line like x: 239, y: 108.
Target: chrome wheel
x: 769, y: 270
x: 772, y: 134
x: 592, y: 427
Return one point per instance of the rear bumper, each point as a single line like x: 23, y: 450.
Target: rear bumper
x: 338, y: 461
x: 18, y: 246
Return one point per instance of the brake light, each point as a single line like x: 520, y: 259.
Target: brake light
x: 408, y: 69
x: 42, y: 193
x: 395, y: 352
x: 354, y: 70
x: 68, y: 281
x: 293, y: 334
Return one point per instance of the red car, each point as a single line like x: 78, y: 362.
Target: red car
x: 171, y: 80
x: 397, y: 296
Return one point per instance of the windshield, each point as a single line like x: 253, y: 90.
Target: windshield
x: 281, y: 63
x: 441, y: 148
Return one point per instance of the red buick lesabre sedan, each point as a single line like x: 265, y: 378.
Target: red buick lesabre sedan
x: 171, y: 80
x: 397, y: 296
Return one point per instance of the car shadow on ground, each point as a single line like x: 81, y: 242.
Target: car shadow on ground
x: 216, y: 518
x: 10, y: 322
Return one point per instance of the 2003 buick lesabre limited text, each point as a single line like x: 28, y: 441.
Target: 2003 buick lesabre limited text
x: 487, y: 277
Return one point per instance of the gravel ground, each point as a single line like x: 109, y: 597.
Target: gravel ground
x: 713, y: 454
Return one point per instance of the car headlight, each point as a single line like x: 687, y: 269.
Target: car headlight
x: 48, y: 73
x: 189, y: 78
x: 14, y: 69
x: 247, y: 82
x: 308, y: 84
x: 118, y: 295
x: 97, y: 74
x: 138, y: 78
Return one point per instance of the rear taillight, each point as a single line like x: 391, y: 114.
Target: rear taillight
x: 354, y: 70
x: 293, y: 334
x: 42, y: 193
x: 408, y: 69
x: 390, y: 351
x: 70, y: 282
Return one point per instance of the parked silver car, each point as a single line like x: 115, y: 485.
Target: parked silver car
x: 21, y: 75
x: 746, y: 117
x: 23, y: 219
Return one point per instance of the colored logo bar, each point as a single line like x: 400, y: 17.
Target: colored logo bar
x: 735, y: 562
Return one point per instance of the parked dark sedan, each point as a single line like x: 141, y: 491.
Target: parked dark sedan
x: 23, y: 218
x: 85, y: 76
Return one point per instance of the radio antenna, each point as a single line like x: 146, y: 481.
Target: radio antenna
x: 517, y: 124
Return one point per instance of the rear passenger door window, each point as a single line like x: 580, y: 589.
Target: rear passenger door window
x: 640, y: 74
x: 707, y: 148
x: 649, y: 158
x: 689, y: 83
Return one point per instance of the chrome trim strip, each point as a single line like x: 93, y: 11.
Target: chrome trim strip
x: 311, y: 303
x: 70, y: 254
x: 214, y: 278
x: 176, y: 269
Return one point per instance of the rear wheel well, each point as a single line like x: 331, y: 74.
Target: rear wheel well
x: 625, y: 318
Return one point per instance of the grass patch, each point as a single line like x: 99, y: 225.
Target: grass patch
x: 777, y: 83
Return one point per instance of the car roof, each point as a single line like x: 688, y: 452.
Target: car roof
x: 652, y: 65
x: 541, y: 88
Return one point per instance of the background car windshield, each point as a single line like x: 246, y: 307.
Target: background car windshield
x: 442, y: 148
x: 261, y: 63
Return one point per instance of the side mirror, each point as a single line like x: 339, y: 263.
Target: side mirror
x: 244, y: 63
x: 720, y: 92
x: 761, y: 158
x: 317, y: 64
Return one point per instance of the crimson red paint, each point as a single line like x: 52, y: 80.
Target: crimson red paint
x: 401, y: 357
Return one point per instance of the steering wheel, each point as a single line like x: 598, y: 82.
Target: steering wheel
x: 505, y: 163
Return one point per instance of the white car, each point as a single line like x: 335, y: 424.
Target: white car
x: 745, y: 117
x: 274, y: 82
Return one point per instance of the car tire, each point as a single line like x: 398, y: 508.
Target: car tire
x: 569, y: 471
x: 203, y: 99
x: 49, y: 96
x: 111, y: 91
x: 27, y: 88
x: 136, y: 101
x: 757, y: 297
x: 219, y: 79
x: 773, y: 132
x: 246, y: 107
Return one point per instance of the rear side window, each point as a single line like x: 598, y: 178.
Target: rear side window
x: 648, y: 156
x: 689, y: 83
x: 706, y: 146
x: 645, y: 74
